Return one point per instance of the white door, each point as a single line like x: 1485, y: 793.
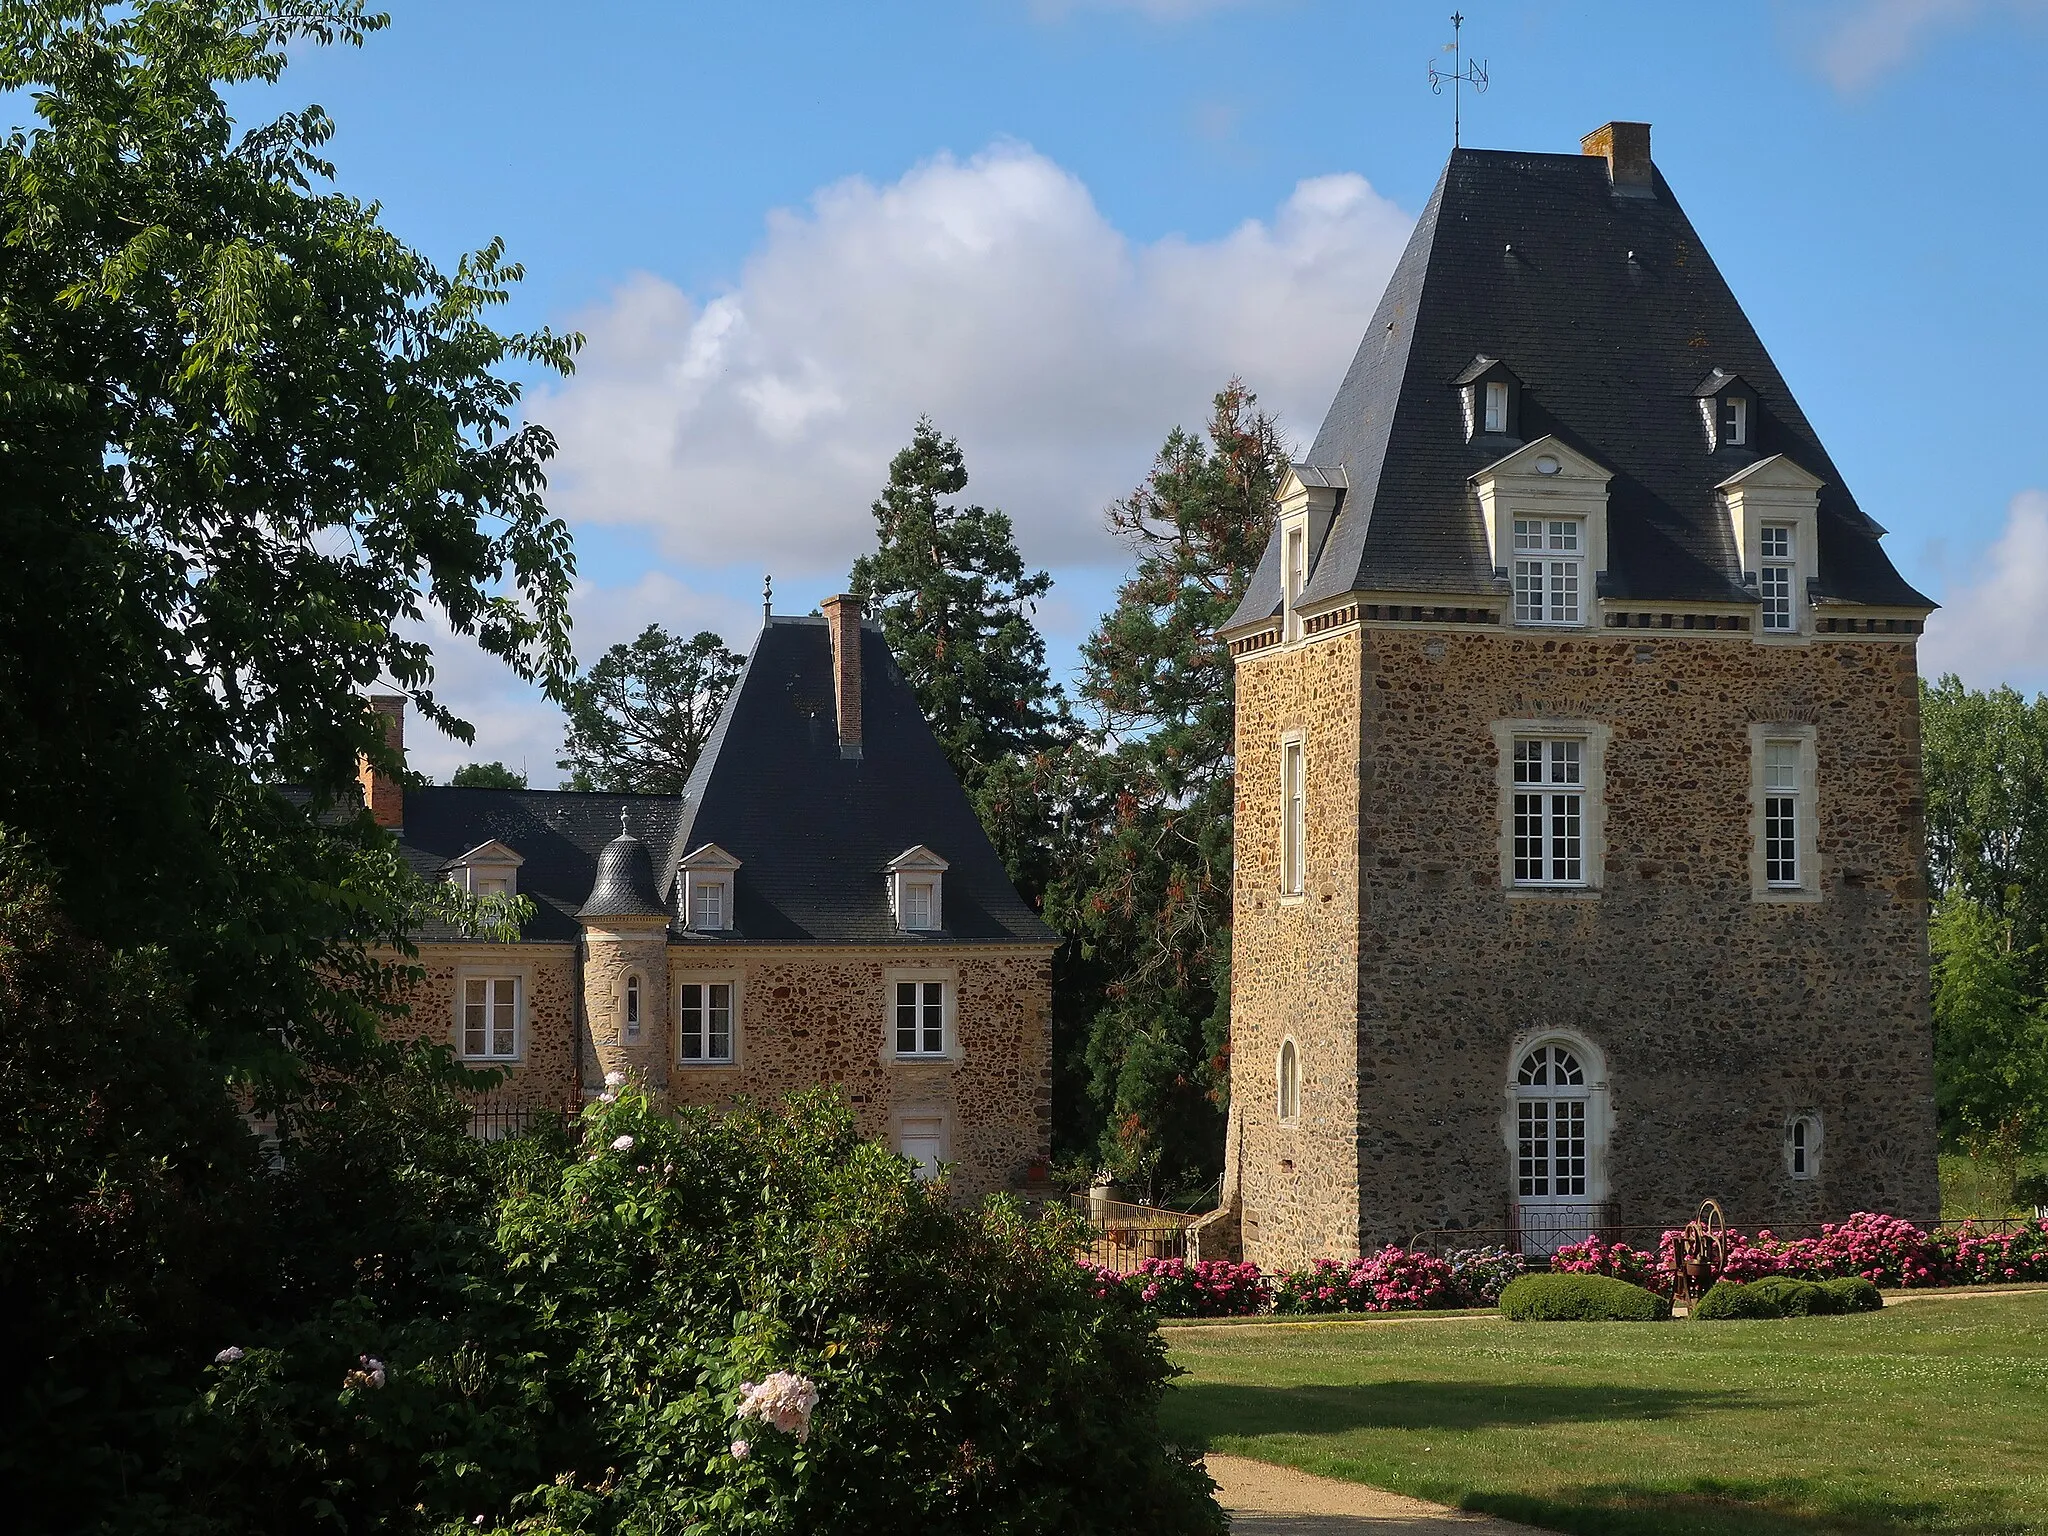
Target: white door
x: 919, y: 1140
x: 1552, y: 1205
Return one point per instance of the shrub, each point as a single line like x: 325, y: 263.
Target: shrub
x: 1205, y: 1288
x: 1727, y: 1300
x: 1392, y: 1280
x: 1575, y: 1298
x: 1479, y: 1275
x: 1793, y: 1298
x: 1853, y: 1293
x: 1617, y: 1260
x: 1998, y: 1258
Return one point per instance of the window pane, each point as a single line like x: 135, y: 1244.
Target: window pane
x: 1528, y: 837
x: 1564, y: 538
x: 1533, y: 1151
x: 917, y: 905
x: 1528, y: 762
x: 1777, y: 542
x: 693, y: 1021
x: 1781, y: 765
x: 503, y: 1016
x: 1528, y: 591
x: 1568, y: 1146
x: 1565, y: 862
x: 1774, y: 586
x: 906, y: 1018
x: 1496, y: 407
x: 718, y: 1022
x: 473, y: 1017
x: 1564, y: 762
x: 710, y: 905
x: 934, y: 1018
x: 1564, y: 591
x: 1781, y: 840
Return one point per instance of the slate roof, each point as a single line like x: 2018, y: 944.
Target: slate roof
x: 1610, y: 312
x: 812, y: 830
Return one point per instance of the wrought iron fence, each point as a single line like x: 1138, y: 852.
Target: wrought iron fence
x: 1541, y: 1243
x: 1123, y: 1236
x: 493, y: 1119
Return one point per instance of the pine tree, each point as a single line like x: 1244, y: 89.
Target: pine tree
x: 1142, y: 999
x: 952, y: 596
x: 638, y: 720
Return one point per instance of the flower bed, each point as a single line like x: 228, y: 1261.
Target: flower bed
x: 1884, y: 1250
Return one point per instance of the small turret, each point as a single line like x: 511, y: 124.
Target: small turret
x: 625, y: 965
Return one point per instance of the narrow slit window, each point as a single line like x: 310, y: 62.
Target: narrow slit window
x: 1294, y: 817
x: 632, y: 1007
x: 1290, y: 1082
x: 1781, y: 813
x: 1549, y: 811
x: 1776, y: 580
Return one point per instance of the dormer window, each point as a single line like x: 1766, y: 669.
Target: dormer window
x: 1491, y: 397
x: 1727, y: 411
x: 704, y: 889
x: 916, y: 879
x: 489, y: 869
x: 1777, y: 574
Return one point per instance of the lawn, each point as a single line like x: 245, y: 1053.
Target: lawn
x: 1927, y: 1417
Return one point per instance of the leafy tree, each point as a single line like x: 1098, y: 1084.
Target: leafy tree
x: 639, y: 720
x: 248, y: 435
x: 949, y: 588
x: 1986, y: 758
x: 1990, y: 1038
x: 1146, y: 984
x: 487, y: 776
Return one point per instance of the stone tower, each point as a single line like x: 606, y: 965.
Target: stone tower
x: 625, y: 966
x: 1579, y: 848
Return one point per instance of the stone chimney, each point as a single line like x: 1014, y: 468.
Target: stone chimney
x: 383, y: 794
x: 1626, y: 149
x: 842, y: 622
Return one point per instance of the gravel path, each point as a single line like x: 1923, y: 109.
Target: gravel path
x: 1265, y: 1500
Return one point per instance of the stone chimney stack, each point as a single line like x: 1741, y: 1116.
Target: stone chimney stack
x: 383, y: 794
x: 842, y: 621
x: 1626, y: 149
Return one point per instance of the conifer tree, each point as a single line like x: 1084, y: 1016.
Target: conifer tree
x: 1142, y: 1000
x: 953, y: 598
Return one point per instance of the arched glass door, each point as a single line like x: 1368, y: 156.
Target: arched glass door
x: 1553, y: 1205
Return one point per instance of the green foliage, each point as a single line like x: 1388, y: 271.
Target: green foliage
x: 1986, y: 763
x: 1550, y: 1298
x: 247, y: 437
x: 1853, y: 1293
x: 1142, y: 992
x: 487, y: 776
x: 1792, y: 1297
x: 638, y: 720
x: 1990, y: 1038
x: 956, y: 605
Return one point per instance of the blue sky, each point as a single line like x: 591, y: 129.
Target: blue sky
x: 1058, y: 226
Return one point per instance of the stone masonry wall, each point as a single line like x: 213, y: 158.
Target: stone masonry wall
x: 1294, y: 960
x: 1718, y: 1016
x: 544, y: 1075
x: 811, y: 1017
x: 611, y: 956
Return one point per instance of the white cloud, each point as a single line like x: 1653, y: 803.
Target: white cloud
x: 1994, y: 629
x: 1855, y: 42
x: 754, y: 428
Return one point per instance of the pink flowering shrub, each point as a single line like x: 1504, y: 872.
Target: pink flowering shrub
x: 1391, y: 1280
x: 1176, y: 1288
x: 1997, y: 1258
x: 1885, y: 1250
x: 1616, y: 1260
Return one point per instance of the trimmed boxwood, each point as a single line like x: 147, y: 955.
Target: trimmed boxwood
x: 1580, y: 1299
x: 1729, y: 1299
x: 1853, y: 1293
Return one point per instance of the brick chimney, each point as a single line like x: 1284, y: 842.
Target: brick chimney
x: 383, y: 794
x: 842, y: 622
x: 1626, y: 149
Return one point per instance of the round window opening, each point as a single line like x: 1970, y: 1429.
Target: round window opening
x: 1546, y: 465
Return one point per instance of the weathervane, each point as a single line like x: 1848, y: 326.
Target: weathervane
x: 1463, y: 73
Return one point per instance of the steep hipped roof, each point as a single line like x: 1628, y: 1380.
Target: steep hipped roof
x: 1610, y: 312
x: 814, y: 830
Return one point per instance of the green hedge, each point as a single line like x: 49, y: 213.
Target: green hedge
x: 1580, y: 1299
x: 1783, y: 1296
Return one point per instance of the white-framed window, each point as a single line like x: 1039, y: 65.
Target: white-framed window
x: 1497, y: 406
x: 918, y: 1008
x: 917, y: 904
x: 1777, y: 577
x: 1551, y: 1093
x: 916, y: 879
x: 631, y: 1008
x: 1781, y: 814
x: 1287, y: 1072
x: 707, y: 905
x: 1734, y: 421
x: 491, y: 885
x: 1802, y: 1145
x: 1293, y: 815
x: 1549, y: 810
x: 707, y: 1019
x: 1297, y: 563
x: 490, y: 1017
x: 1549, y: 570
x: 921, y: 1137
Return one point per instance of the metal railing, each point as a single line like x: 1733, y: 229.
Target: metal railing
x: 1123, y: 1236
x: 494, y: 1119
x: 1541, y: 1242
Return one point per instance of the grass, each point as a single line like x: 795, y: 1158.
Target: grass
x: 1930, y: 1417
